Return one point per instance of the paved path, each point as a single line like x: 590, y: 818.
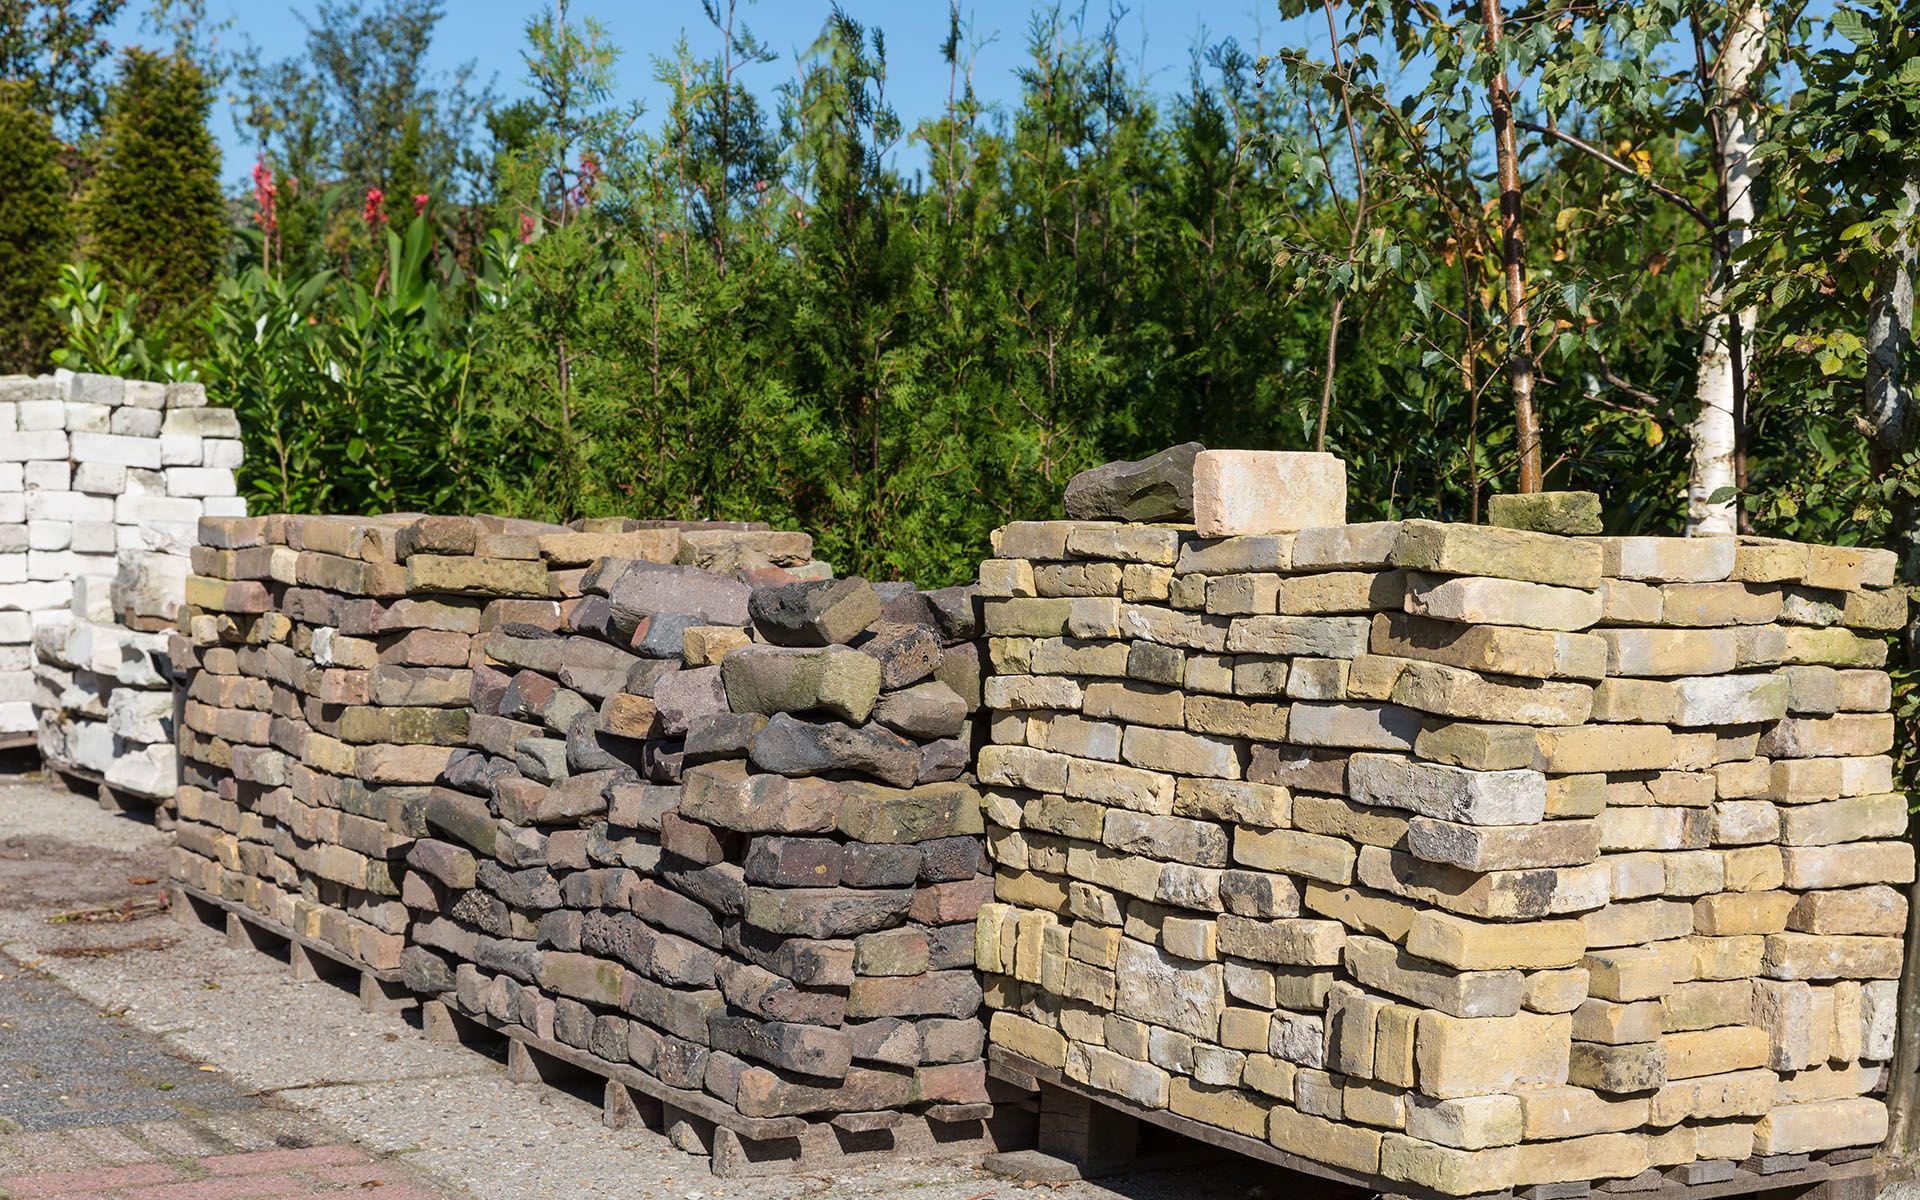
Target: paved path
x: 92, y: 1105
x: 154, y: 1048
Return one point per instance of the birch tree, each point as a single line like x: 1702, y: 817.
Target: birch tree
x: 1718, y: 469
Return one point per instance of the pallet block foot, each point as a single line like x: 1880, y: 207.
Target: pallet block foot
x: 1032, y: 1166
x: 623, y: 1108
x: 1705, y: 1171
x: 693, y: 1134
x: 300, y: 960
x: 184, y: 907
x: 379, y: 996
x: 437, y: 1022
x: 244, y: 935
x: 1649, y: 1180
x: 520, y: 1065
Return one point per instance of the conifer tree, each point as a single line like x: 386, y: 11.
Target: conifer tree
x: 152, y: 212
x: 35, y: 235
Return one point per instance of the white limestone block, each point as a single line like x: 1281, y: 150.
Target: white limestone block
x: 88, y: 418
x: 220, y: 452
x: 53, y: 475
x: 43, y: 415
x: 154, y: 510
x: 200, y: 481
x: 95, y: 537
x: 113, y: 448
x: 46, y: 505
x: 144, y: 394
x: 29, y: 445
x: 203, y: 422
x: 135, y: 422
x: 49, y: 535
x: 181, y: 449
x: 100, y: 479
x: 16, y: 716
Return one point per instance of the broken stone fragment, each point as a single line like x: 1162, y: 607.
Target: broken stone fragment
x: 824, y: 613
x: 1546, y: 512
x: 1156, y: 488
x: 790, y: 746
x: 776, y: 679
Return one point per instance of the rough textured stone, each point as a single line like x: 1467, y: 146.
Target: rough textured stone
x: 815, y: 613
x: 1546, y: 512
x: 776, y: 679
x: 787, y: 745
x: 1156, y: 488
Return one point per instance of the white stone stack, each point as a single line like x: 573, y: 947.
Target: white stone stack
x: 103, y: 482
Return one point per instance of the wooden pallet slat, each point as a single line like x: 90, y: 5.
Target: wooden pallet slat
x: 1081, y: 1136
x: 308, y: 959
x: 739, y: 1146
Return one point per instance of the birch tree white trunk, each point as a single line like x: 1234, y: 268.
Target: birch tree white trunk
x: 1714, y: 436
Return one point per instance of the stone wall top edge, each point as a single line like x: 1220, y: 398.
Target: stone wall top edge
x: 1188, y: 533
x: 110, y: 391
x: 1741, y: 558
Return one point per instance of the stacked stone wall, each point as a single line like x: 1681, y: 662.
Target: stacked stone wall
x: 1466, y: 857
x: 327, y: 666
x: 102, y: 484
x: 668, y: 795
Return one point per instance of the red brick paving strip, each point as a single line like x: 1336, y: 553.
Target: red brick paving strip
x: 313, y: 1173
x: 239, y: 1187
x: 280, y: 1160
x: 93, y: 1179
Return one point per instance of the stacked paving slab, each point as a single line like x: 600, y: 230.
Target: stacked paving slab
x: 327, y: 664
x: 716, y: 823
x: 1462, y: 858
x: 102, y: 483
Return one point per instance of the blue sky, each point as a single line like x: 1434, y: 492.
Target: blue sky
x: 1159, y: 33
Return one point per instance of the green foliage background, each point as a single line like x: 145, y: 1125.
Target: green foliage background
x: 897, y: 338
x: 35, y: 230
x: 152, y: 212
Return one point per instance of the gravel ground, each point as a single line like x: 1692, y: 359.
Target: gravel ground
x: 306, y: 1049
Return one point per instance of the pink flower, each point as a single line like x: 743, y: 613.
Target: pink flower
x: 419, y: 204
x: 374, y: 212
x: 527, y: 225
x: 581, y: 195
x: 265, y: 197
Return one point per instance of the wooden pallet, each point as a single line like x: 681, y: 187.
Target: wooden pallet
x: 380, y: 990
x: 1086, y: 1134
x: 738, y: 1146
x: 82, y: 782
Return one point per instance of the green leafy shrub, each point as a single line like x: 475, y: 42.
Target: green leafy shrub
x: 35, y: 234
x: 154, y: 219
